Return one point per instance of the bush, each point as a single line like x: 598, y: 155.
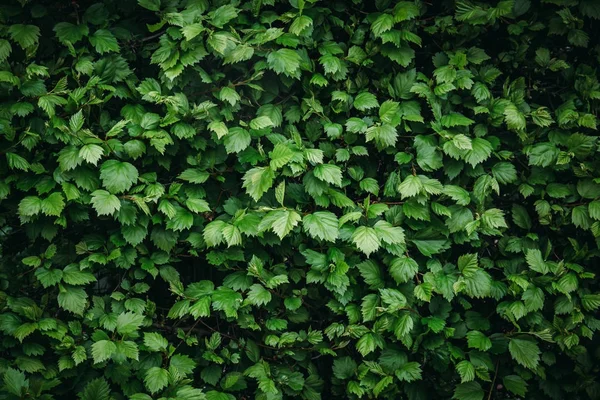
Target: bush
x: 306, y: 199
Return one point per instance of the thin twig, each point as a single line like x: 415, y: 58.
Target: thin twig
x: 493, y: 381
x: 157, y: 34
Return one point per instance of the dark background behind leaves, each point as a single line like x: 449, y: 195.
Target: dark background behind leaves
x: 299, y: 199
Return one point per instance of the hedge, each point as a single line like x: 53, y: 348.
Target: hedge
x: 271, y: 199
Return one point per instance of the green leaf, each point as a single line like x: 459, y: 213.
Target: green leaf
x: 344, y: 367
x: 91, y: 153
x: 24, y: 35
x: 521, y: 217
x: 366, y: 240
x: 458, y: 194
x: 321, y: 225
x: 258, y: 295
x: 15, y: 161
x: 280, y: 156
x: 493, y: 218
x: 284, y: 61
x: 194, y: 175
x: 403, y: 269
x: 72, y: 299
x: 97, y: 389
x: 105, y: 203
x: 580, y: 217
x: 367, y: 344
x: 257, y: 181
x: 155, y: 341
x: 466, y: 370
x: 515, y: 384
x: 479, y: 341
x: 371, y: 273
x: 329, y: 173
x: 53, y: 205
x: 365, y: 101
x: 15, y: 382
x: 405, y: 10
x: 261, y: 122
x: 515, y: 120
x: 118, y: 176
x: 389, y: 234
x: 104, y: 41
x: 525, y: 352
x: 67, y: 32
x: 468, y: 391
x: 5, y: 49
x: 282, y: 222
x: 300, y: 24
x: 197, y: 205
x: 156, y: 379
x: 409, y: 372
x: 536, y: 262
x: 29, y: 206
x: 181, y: 220
x: 129, y: 322
x: 455, y: 119
x: 152, y: 5
x: 229, y: 95
x: 481, y: 151
x: 103, y: 350
x: 411, y: 186
x: 192, y: 30
x: 223, y: 15
x: 73, y: 276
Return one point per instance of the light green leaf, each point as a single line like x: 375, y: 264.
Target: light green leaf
x: 30, y: 206
x: 156, y: 379
x: 118, y: 176
x: 223, y: 15
x: 72, y: 299
x: 197, y: 205
x: 329, y: 173
x: 477, y: 340
x: 466, y: 370
x: 389, y: 234
x: 236, y: 140
x: 257, y: 181
x: 105, y: 203
x: 284, y: 61
x: 536, y: 262
x: 104, y: 41
x: 366, y: 239
x: 365, y: 101
x: 258, y: 295
x: 382, y: 24
x: 280, y: 155
x: 300, y: 24
x: 411, y: 186
x: 129, y: 322
x: 91, y: 153
x: 155, y: 341
x: 321, y: 225
x: 102, y: 350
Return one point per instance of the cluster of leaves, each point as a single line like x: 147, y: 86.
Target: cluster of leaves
x: 216, y: 199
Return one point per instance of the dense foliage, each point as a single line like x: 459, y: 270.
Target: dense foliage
x: 299, y: 199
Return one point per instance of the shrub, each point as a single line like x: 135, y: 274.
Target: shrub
x: 270, y: 199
